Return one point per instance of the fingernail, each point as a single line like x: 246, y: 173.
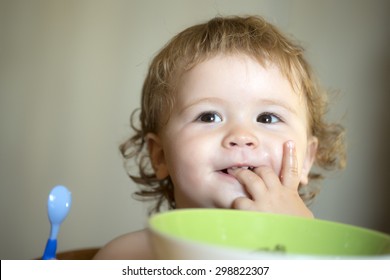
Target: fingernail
x: 290, y: 144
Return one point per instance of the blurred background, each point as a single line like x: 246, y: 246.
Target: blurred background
x: 71, y: 73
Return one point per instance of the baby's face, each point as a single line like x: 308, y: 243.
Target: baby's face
x: 230, y: 112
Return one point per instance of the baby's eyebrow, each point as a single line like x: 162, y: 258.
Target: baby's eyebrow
x: 280, y: 103
x: 209, y: 100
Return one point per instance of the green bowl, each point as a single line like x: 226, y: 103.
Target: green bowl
x: 233, y: 234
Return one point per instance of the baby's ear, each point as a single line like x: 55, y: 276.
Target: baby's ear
x: 157, y: 157
x: 309, y: 159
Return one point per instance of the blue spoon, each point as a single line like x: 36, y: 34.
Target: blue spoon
x: 58, y: 206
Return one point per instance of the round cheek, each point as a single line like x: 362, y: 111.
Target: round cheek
x: 278, y: 160
x: 183, y: 161
x: 270, y: 153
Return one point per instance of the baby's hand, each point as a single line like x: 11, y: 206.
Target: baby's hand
x: 268, y: 192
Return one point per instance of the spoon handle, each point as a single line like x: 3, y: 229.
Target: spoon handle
x: 50, y: 250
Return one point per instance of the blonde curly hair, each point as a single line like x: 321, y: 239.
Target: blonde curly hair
x: 251, y: 36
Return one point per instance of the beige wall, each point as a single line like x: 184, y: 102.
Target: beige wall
x: 71, y: 72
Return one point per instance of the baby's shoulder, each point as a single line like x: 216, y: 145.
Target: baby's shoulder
x: 130, y: 246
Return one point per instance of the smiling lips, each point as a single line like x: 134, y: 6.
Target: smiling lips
x: 226, y: 170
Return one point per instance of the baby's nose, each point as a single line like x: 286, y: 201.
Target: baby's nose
x: 240, y: 138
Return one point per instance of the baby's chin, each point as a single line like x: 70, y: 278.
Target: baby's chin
x: 225, y: 201
x: 230, y: 197
x: 221, y: 197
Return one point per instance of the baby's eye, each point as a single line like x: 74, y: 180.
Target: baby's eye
x: 209, y: 117
x: 268, y: 118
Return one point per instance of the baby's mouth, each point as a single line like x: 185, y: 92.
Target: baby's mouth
x: 226, y: 170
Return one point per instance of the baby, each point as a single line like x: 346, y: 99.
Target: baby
x: 231, y: 117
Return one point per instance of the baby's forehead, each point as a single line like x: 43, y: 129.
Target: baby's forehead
x: 224, y: 76
x: 223, y: 61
